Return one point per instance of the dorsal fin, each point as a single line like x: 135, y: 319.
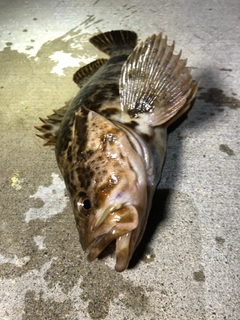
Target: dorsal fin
x: 52, y: 124
x: 84, y: 73
x: 110, y: 42
x: 155, y: 83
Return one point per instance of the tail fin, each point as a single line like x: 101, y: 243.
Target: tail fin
x: 112, y: 41
x: 154, y: 81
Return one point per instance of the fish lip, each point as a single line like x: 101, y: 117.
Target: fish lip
x: 98, y: 221
x: 123, y: 252
x: 120, y: 232
x: 122, y: 249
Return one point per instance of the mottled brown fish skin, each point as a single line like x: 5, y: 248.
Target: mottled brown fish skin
x: 110, y: 140
x: 102, y: 89
x: 85, y: 166
x: 100, y: 92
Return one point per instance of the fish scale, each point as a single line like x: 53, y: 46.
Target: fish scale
x: 110, y: 140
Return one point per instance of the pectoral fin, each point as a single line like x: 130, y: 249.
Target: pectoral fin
x: 155, y: 81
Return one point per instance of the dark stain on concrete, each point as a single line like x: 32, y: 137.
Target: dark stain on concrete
x: 182, y: 136
x: 25, y: 30
x: 164, y: 292
x: 100, y: 285
x: 90, y: 20
x: 199, y: 276
x: 8, y: 271
x: 220, y: 240
x: 225, y: 69
x: 29, y: 47
x: 225, y: 148
x: 219, y: 99
x: 9, y: 44
x: 36, y: 307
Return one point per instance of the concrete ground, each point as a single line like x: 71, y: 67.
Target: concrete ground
x: 188, y: 265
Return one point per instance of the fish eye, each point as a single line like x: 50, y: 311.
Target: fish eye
x: 84, y: 205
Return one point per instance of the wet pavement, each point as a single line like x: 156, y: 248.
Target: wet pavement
x: 187, y: 266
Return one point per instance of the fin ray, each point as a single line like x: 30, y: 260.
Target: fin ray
x: 83, y: 74
x: 154, y: 80
x: 112, y: 41
x: 51, y: 125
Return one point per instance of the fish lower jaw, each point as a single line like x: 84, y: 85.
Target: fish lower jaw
x: 123, y: 252
x: 99, y: 247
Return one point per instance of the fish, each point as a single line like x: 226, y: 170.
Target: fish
x: 110, y: 139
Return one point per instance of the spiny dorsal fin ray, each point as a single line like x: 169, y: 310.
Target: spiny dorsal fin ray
x: 112, y: 41
x: 51, y: 125
x: 155, y: 81
x: 85, y: 73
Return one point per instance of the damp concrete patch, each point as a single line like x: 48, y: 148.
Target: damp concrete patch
x: 217, y: 97
x: 225, y: 148
x: 20, y: 286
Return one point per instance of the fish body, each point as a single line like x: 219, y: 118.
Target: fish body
x: 110, y: 140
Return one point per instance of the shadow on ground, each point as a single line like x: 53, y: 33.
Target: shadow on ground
x: 199, y: 113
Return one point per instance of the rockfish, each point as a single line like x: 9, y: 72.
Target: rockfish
x: 110, y: 140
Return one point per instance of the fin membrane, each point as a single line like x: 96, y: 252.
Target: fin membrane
x: 110, y: 42
x: 155, y: 81
x: 51, y: 125
x: 85, y: 73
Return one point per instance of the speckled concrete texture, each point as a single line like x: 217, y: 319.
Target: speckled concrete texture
x: 187, y: 266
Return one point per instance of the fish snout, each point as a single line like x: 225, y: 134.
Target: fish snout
x: 116, y: 226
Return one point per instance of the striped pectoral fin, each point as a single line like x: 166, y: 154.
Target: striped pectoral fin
x: 155, y: 81
x: 51, y: 125
x: 85, y: 73
x: 171, y: 107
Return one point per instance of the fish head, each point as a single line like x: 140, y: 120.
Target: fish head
x: 106, y: 179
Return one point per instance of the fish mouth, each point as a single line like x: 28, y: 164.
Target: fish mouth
x: 122, y: 249
x: 120, y: 234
